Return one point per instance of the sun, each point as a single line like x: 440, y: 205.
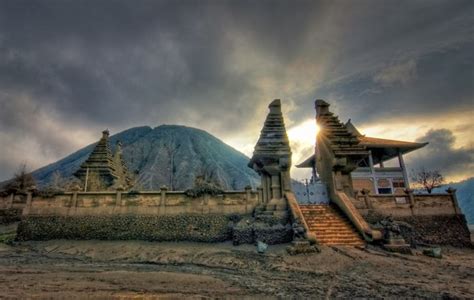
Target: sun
x: 304, y: 133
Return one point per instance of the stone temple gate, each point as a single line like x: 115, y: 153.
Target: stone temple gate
x: 342, y: 155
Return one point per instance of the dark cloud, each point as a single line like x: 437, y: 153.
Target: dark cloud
x: 442, y: 155
x: 80, y: 66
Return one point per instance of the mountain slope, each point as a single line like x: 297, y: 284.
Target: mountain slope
x: 465, y: 195
x: 168, y: 155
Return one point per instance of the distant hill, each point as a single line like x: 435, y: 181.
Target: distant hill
x: 168, y: 155
x: 465, y: 195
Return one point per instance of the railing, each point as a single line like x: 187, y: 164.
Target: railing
x: 378, y: 172
x: 147, y: 202
x: 297, y: 215
x: 345, y: 203
x: 408, y: 203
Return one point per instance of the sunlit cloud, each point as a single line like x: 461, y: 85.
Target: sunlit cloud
x: 302, y: 141
x: 217, y: 66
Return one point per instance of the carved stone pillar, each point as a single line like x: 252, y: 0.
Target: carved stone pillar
x: 276, y: 187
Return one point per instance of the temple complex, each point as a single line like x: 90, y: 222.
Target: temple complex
x: 102, y: 169
x: 359, y: 200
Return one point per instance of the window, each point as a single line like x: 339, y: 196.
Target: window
x: 384, y: 190
x: 398, y: 183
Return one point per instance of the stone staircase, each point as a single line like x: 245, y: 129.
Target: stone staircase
x: 330, y: 226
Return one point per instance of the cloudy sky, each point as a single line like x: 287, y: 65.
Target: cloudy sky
x: 398, y: 69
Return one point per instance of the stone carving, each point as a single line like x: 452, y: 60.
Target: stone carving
x: 391, y: 229
x: 393, y: 239
x: 298, y: 231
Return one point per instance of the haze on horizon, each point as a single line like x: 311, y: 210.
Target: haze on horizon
x: 398, y: 69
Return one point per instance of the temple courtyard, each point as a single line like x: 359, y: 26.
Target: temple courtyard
x: 137, y: 269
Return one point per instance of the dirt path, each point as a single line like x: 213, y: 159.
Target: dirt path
x: 129, y: 269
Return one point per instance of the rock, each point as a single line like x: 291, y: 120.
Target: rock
x: 261, y: 247
x: 433, y: 252
x: 301, y: 247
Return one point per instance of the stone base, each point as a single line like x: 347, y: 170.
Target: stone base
x: 399, y: 248
x: 276, y: 207
x: 301, y: 247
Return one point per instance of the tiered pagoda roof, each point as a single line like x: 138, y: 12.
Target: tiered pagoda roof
x: 273, y: 142
x: 342, y: 141
x: 382, y: 149
x: 100, y: 162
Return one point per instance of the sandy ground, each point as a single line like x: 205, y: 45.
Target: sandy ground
x: 134, y: 269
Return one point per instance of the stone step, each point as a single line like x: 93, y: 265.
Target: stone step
x: 334, y: 234
x: 339, y: 241
x: 345, y: 244
x: 331, y: 232
x: 328, y: 221
x: 338, y: 238
x: 330, y: 229
x: 324, y: 239
x: 316, y: 219
x: 330, y: 226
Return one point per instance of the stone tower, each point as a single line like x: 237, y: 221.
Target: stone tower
x: 272, y: 160
x: 338, y: 152
x: 337, y: 149
x: 99, y: 171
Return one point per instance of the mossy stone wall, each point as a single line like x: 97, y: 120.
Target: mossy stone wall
x: 198, y: 228
x: 438, y: 230
x: 10, y: 215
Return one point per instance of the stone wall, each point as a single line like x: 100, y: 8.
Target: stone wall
x: 10, y: 215
x: 154, y: 216
x: 434, y: 229
x: 408, y: 204
x: 198, y: 228
x: 140, y: 203
x: 425, y: 218
x: 13, y: 201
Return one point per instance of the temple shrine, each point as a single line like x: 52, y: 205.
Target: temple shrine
x: 102, y: 169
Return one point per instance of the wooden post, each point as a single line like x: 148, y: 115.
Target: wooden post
x: 404, y: 171
x: 372, y: 172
